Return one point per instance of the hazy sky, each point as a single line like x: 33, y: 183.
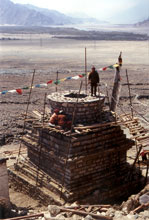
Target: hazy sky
x: 96, y: 8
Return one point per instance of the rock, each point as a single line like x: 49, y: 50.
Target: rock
x: 110, y: 212
x: 118, y: 215
x: 69, y: 214
x: 61, y: 216
x: 144, y: 215
x: 131, y: 217
x: 144, y: 199
x: 130, y: 204
x: 47, y: 216
x: 88, y: 217
x: 103, y: 213
x: 76, y: 217
x: 74, y: 204
x: 54, y: 210
x: 31, y: 212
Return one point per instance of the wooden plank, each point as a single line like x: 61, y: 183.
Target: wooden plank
x: 26, y: 217
x: 37, y: 114
x: 100, y: 217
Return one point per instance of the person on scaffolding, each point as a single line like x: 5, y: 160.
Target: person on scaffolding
x: 120, y: 61
x: 60, y: 120
x: 54, y: 118
x: 93, y: 80
x: 63, y: 121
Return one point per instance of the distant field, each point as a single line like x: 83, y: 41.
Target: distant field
x: 48, y: 55
x: 46, y: 52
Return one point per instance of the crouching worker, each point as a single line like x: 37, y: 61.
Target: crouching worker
x: 63, y: 121
x: 54, y: 118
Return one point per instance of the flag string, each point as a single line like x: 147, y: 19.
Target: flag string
x: 56, y: 82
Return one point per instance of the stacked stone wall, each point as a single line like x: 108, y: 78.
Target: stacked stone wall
x: 88, y: 109
x: 97, y: 159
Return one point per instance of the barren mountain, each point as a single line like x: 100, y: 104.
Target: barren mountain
x: 17, y: 14
x: 144, y: 23
x: 30, y: 15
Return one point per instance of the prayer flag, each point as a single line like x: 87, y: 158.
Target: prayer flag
x: 12, y: 91
x: 37, y: 86
x: 43, y: 85
x: 49, y: 81
x: 110, y: 67
x: 75, y: 77
x: 25, y: 87
x: 19, y: 91
x: 115, y: 65
x: 57, y: 82
x: 4, y: 92
x: 62, y: 80
x: 68, y: 78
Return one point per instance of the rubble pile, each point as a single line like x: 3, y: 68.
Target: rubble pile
x: 129, y: 210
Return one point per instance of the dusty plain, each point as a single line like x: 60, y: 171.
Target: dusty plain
x: 47, y: 55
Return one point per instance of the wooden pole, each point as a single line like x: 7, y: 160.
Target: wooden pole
x: 26, y: 217
x: 86, y: 70
x: 56, y: 80
x: 107, y: 93
x: 73, y: 118
x: 44, y: 107
x: 100, y: 217
x: 116, y: 90
x: 40, y: 140
x: 129, y: 93
x: 28, y: 102
x: 146, y: 176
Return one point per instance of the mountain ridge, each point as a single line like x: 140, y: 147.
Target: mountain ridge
x: 144, y: 23
x: 30, y: 15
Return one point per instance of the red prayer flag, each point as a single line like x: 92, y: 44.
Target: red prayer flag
x: 49, y: 81
x: 80, y: 76
x: 19, y: 91
x: 104, y: 68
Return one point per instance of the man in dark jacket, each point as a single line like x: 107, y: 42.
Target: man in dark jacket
x: 93, y: 80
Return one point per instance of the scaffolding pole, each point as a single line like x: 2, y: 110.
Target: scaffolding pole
x: 25, y: 116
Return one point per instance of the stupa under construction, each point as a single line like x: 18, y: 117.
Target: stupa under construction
x: 87, y: 164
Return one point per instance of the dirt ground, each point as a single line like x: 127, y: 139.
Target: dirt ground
x: 47, y: 56
x: 20, y: 57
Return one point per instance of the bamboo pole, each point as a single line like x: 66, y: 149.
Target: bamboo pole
x: 129, y: 93
x: 86, y: 70
x: 44, y: 107
x: 107, y: 93
x: 56, y: 81
x: 87, y: 206
x: 26, y: 217
x: 140, y: 115
x: 37, y: 178
x: 100, y: 217
x: 147, y: 168
x: 28, y: 102
x: 73, y: 118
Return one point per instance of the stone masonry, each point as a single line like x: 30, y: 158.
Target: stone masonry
x: 86, y: 160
